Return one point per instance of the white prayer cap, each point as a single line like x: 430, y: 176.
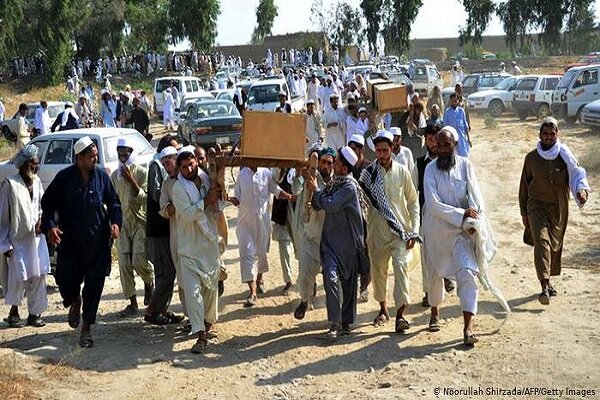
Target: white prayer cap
x: 357, y: 138
x: 282, y: 93
x: 27, y: 153
x: 167, y: 152
x: 362, y: 109
x: 451, y: 131
x: 68, y: 104
x: 334, y: 95
x: 186, y: 149
x: 310, y: 101
x: 382, y: 134
x: 349, y: 155
x: 549, y: 121
x: 328, y: 77
x: 124, y: 142
x: 396, y: 131
x: 82, y: 144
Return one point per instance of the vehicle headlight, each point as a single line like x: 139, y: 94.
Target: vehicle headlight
x: 477, y: 99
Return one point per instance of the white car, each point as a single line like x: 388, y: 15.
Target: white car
x: 533, y: 95
x: 223, y: 94
x: 496, y: 100
x: 590, y: 115
x: 264, y: 96
x: 9, y: 127
x: 55, y: 150
x: 181, y: 112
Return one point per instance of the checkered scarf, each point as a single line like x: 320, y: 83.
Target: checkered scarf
x: 371, y: 182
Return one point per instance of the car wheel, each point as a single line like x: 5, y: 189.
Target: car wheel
x: 522, y: 115
x: 496, y: 108
x: 543, y: 111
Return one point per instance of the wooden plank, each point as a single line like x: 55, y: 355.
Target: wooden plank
x: 391, y: 97
x: 273, y: 136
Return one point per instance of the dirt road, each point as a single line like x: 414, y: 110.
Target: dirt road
x: 264, y: 353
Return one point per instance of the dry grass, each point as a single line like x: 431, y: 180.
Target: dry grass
x: 13, y: 385
x: 591, y: 160
x: 6, y: 150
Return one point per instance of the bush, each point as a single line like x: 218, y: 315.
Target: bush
x: 591, y: 161
x: 490, y: 122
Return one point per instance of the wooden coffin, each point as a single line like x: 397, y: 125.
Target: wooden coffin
x: 273, y: 136
x: 371, y: 87
x: 390, y: 97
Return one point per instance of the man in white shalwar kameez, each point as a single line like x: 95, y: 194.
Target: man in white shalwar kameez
x: 309, y: 233
x: 313, y: 125
x: 197, y: 245
x: 452, y: 197
x: 401, y: 154
x: 253, y: 189
x: 21, y: 241
x: 334, y: 121
x: 168, y: 110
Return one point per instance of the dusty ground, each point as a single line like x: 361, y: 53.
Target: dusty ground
x: 264, y: 353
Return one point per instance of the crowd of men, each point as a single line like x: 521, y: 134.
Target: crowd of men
x: 384, y: 186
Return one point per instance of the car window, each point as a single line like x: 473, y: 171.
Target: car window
x: 506, y: 84
x: 225, y: 96
x: 587, y: 77
x: 263, y: 94
x: 469, y: 81
x: 53, y: 111
x: 551, y: 83
x: 527, y: 84
x: 162, y: 84
x: 434, y: 73
x: 487, y: 81
x: 138, y: 142
x: 60, y: 151
x: 31, y: 112
x: 195, y: 87
x: 41, y: 146
x: 188, y: 86
x: 216, y: 109
x: 497, y: 79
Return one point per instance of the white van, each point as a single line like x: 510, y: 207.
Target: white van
x: 186, y: 85
x: 578, y: 87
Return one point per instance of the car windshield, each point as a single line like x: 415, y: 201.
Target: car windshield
x: 565, y: 81
x: 138, y: 142
x: 527, y: 84
x: 469, y: 81
x: 225, y: 96
x: 264, y: 94
x: 216, y: 109
x: 420, y: 73
x: 505, y: 84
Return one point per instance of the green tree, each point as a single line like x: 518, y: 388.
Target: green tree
x: 479, y: 13
x: 148, y: 27
x: 371, y: 10
x: 398, y: 17
x: 11, y: 12
x: 549, y: 17
x: 518, y: 17
x: 101, y: 27
x: 581, y: 29
x: 265, y: 15
x: 340, y: 22
x: 195, y: 20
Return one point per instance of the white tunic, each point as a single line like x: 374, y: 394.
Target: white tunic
x: 335, y: 136
x: 253, y: 190
x: 448, y: 247
x: 358, y: 125
x: 169, y: 107
x: 405, y: 158
x: 19, y: 214
x: 42, y: 120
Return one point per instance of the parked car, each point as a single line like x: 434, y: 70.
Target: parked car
x: 425, y: 77
x: 495, y: 101
x: 476, y: 82
x: 211, y: 122
x: 533, y: 95
x: 489, y: 56
x: 223, y: 94
x: 186, y: 85
x: 55, y: 150
x: 578, y: 87
x: 10, y: 126
x: 264, y: 96
x: 591, y: 58
x: 590, y: 115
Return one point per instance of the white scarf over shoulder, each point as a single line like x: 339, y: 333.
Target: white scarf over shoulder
x: 577, y: 174
x: 208, y: 228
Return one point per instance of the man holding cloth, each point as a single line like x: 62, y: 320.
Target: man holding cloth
x: 81, y: 216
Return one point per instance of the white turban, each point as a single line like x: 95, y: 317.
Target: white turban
x: 25, y: 155
x: 451, y: 131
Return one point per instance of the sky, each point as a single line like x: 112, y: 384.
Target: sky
x: 436, y: 19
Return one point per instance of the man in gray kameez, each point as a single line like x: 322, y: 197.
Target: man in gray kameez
x: 342, y: 241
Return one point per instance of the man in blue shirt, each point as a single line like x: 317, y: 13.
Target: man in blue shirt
x: 81, y: 216
x: 455, y: 117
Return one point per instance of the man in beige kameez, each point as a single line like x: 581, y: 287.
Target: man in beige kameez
x: 549, y: 173
x: 131, y: 181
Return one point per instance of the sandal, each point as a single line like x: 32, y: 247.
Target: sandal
x: 333, y: 332
x: 345, y: 329
x: 85, y: 340
x: 157, y: 319
x: 470, y: 339
x: 425, y: 301
x: 200, y: 346
x: 36, y: 321
x: 75, y: 313
x: 448, y: 285
x: 434, y: 325
x: 14, y: 322
x: 286, y: 289
x: 381, y: 319
x: 129, y: 311
x: 186, y: 327
x: 174, y: 318
x: 260, y: 287
x: 250, y: 302
x: 363, y: 297
x: 552, y: 291
x: 301, y: 310
x: 544, y: 297
x: 401, y: 324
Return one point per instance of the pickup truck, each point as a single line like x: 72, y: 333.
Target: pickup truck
x: 55, y: 150
x: 264, y: 96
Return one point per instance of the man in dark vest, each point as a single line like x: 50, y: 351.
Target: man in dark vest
x: 431, y: 132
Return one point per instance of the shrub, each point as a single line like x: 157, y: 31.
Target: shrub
x: 490, y: 122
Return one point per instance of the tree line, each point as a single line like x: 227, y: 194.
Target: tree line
x: 60, y: 29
